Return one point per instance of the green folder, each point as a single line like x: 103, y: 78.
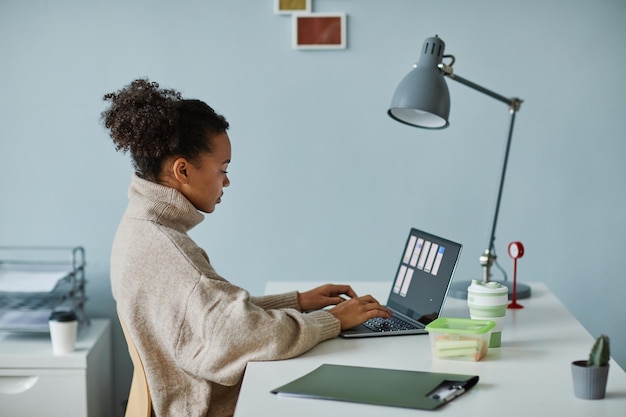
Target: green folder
x: 378, y: 386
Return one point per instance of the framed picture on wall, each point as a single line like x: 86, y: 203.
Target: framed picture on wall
x: 319, y: 31
x: 292, y: 6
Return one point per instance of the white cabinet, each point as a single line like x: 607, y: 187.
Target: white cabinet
x: 34, y: 382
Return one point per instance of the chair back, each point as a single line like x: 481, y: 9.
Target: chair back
x: 139, y: 401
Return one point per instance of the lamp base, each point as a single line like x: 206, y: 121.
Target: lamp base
x: 459, y: 289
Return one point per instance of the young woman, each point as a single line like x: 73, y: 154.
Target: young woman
x: 194, y: 330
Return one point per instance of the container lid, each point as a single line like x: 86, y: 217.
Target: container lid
x: 487, y: 287
x: 63, y: 316
x: 460, y: 326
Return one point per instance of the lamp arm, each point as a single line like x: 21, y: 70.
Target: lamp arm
x: 487, y: 258
x: 501, y: 186
x: 513, y: 103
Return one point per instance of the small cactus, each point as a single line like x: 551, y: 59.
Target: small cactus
x: 600, y: 352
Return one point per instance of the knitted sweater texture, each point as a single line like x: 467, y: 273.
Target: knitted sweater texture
x: 194, y: 330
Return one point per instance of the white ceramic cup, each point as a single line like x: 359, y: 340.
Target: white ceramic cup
x: 63, y: 330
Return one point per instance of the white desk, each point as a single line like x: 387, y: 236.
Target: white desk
x: 529, y: 375
x: 34, y: 382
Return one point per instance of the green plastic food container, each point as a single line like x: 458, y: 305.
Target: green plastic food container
x: 456, y: 338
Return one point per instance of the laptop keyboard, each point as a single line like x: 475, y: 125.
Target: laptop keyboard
x: 392, y: 324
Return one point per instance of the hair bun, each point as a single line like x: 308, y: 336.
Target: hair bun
x: 142, y: 117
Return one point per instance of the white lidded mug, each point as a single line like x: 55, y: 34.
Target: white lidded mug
x: 63, y: 329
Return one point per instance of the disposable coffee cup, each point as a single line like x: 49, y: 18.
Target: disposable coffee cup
x: 63, y: 329
x: 488, y: 301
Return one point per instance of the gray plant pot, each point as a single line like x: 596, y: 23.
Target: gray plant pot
x: 589, y: 381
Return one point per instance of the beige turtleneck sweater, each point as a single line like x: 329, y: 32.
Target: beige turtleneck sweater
x: 195, y: 331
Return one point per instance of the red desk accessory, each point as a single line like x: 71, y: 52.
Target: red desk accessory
x: 516, y: 251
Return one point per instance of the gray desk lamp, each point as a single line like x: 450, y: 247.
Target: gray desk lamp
x: 422, y: 100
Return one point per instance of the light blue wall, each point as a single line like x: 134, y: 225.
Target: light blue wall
x: 324, y: 184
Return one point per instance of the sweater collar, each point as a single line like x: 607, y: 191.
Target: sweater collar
x: 162, y: 204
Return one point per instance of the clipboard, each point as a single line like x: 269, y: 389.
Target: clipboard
x: 379, y: 386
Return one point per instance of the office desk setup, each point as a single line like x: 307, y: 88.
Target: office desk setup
x: 528, y: 375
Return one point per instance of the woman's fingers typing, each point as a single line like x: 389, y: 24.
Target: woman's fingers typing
x: 357, y: 310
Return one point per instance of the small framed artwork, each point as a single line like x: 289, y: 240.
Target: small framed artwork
x: 292, y: 6
x: 319, y: 31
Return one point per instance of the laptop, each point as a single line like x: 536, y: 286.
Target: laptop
x: 419, y: 287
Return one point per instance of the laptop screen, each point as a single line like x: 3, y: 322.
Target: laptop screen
x: 423, y: 276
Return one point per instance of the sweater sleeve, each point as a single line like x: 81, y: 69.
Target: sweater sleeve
x: 223, y: 330
x: 286, y: 300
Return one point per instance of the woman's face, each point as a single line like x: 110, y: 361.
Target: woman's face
x: 208, y: 176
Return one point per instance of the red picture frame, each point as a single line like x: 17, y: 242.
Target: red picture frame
x: 319, y: 31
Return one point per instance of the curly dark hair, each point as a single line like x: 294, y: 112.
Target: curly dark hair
x: 155, y: 124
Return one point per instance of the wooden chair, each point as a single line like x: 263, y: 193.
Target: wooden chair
x: 139, y: 401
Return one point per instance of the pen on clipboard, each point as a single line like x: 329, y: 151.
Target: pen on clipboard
x: 447, y: 393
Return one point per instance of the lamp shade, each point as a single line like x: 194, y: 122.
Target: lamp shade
x: 422, y: 98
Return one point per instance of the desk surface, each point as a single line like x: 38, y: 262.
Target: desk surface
x: 34, y: 350
x: 529, y: 374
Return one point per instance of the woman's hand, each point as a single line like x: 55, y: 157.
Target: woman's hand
x: 324, y: 296
x: 350, y: 311
x: 358, y: 310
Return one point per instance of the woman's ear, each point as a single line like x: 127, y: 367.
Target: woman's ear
x: 180, y: 170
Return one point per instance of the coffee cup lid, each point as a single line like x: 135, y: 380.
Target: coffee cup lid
x: 487, y: 287
x: 63, y: 316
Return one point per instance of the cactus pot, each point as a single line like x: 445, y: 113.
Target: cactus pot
x: 589, y: 381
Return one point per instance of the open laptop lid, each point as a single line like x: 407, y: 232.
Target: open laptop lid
x: 423, y: 276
